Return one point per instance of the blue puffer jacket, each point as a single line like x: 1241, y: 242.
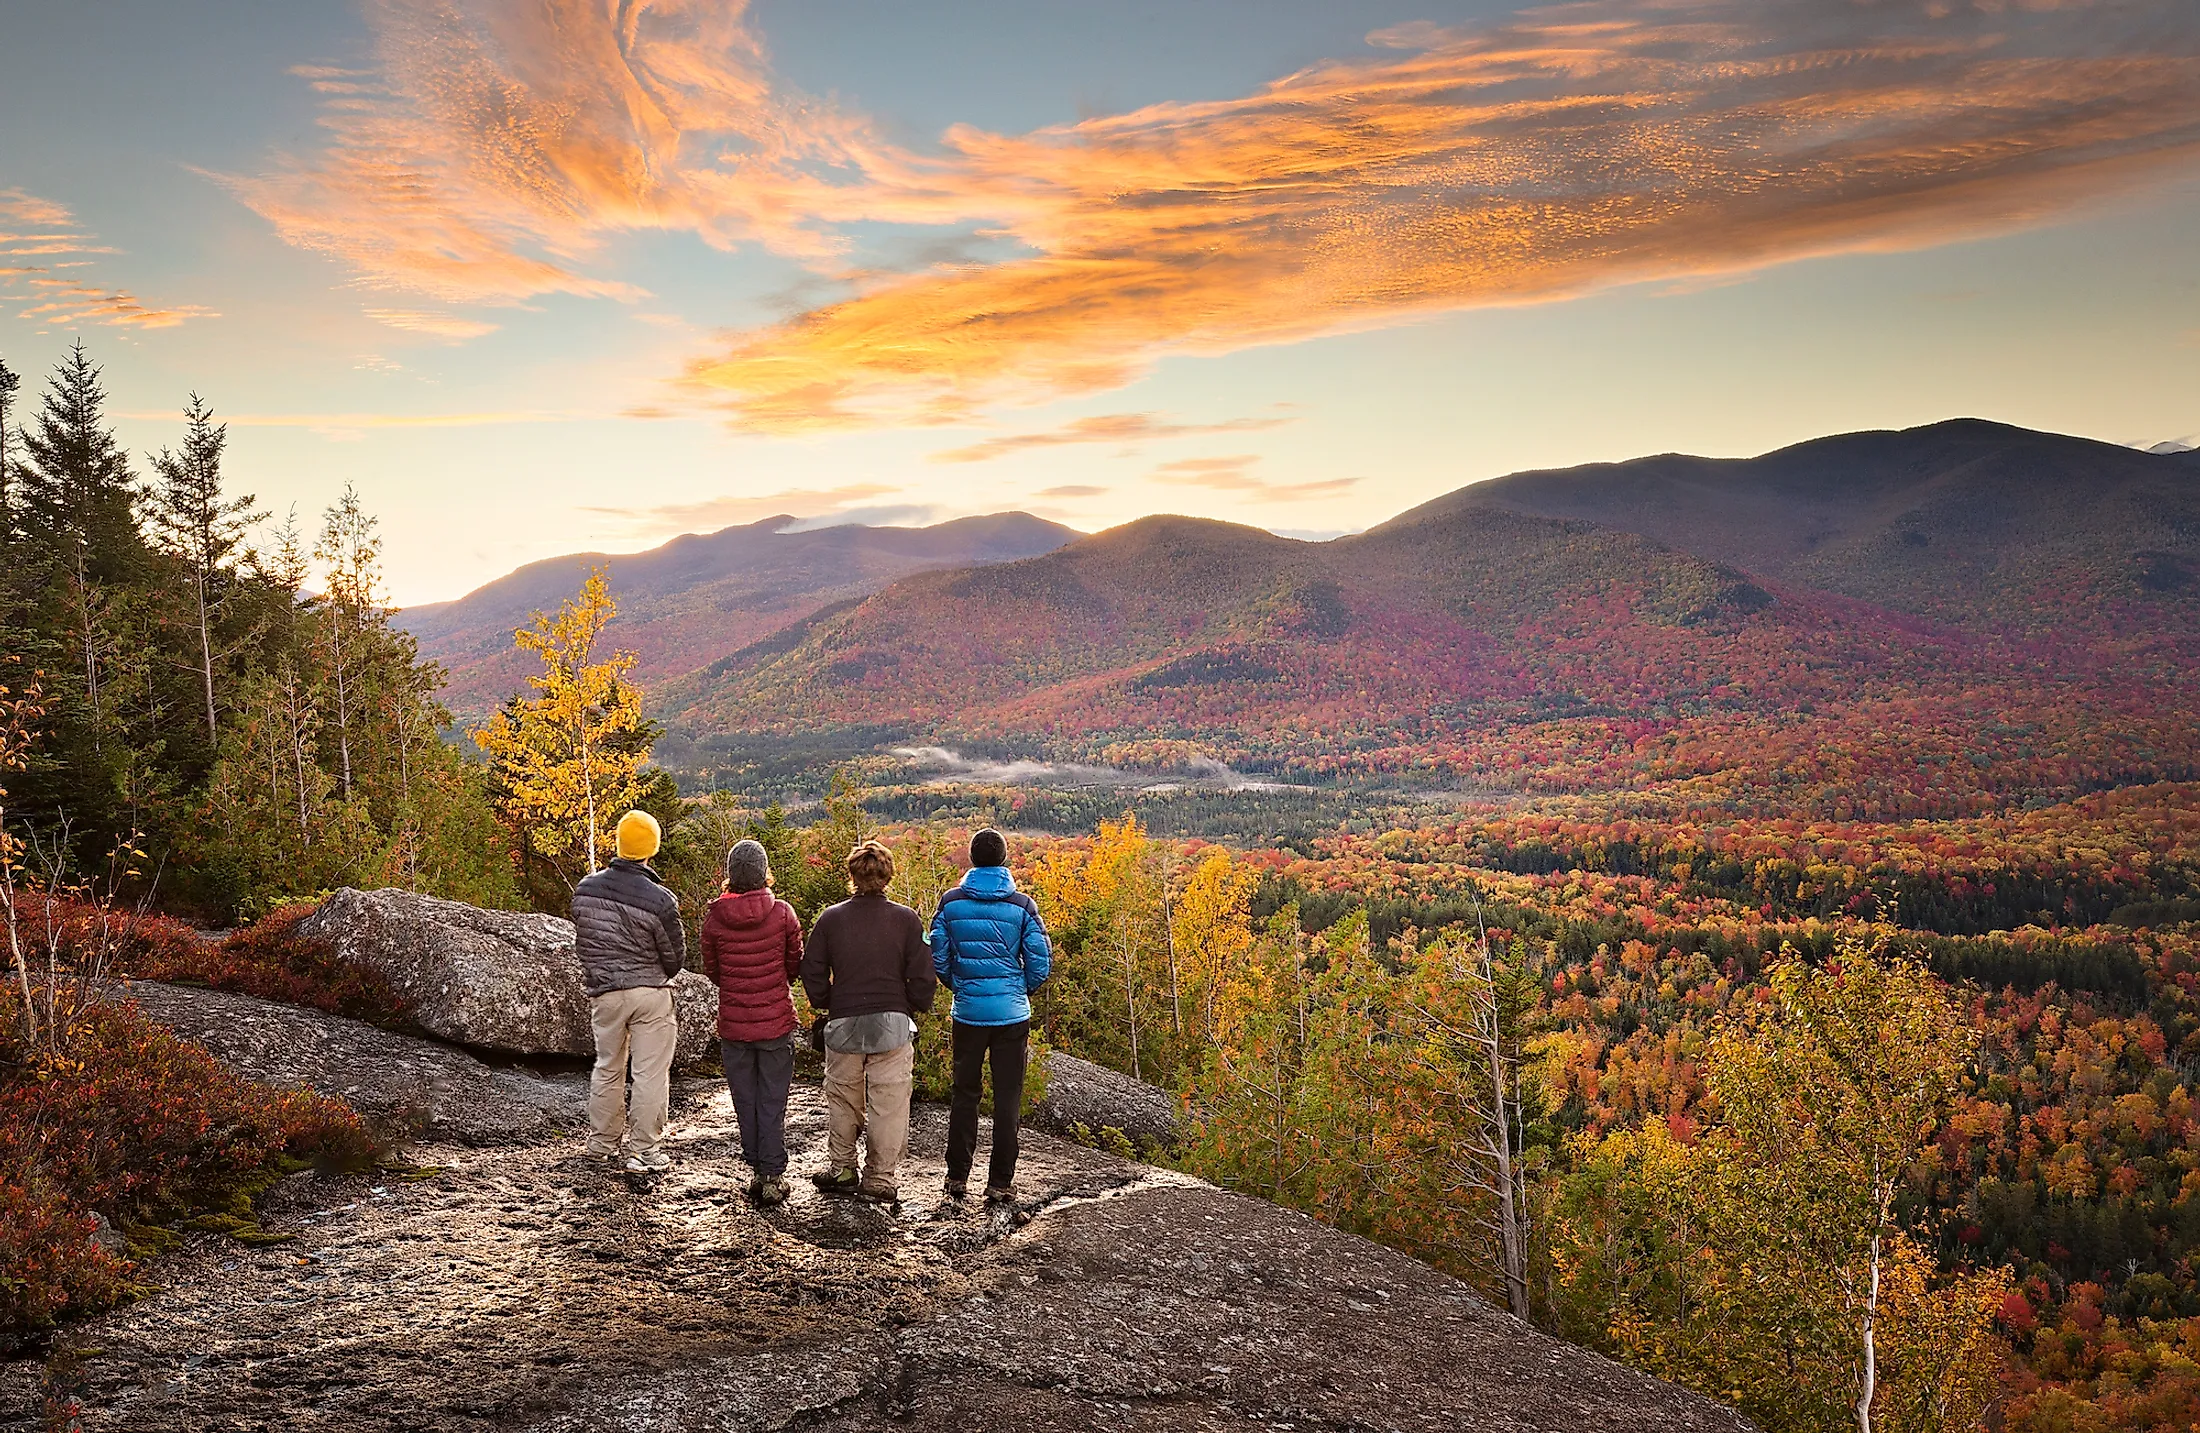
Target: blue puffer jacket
x: 989, y: 948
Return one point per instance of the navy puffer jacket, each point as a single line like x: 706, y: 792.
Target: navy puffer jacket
x: 990, y: 948
x: 626, y: 929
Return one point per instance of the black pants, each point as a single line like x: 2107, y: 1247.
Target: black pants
x: 1008, y: 1046
x: 757, y: 1074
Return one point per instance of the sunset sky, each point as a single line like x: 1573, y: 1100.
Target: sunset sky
x: 549, y: 275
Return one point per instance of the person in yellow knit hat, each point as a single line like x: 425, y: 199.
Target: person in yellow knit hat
x: 627, y: 931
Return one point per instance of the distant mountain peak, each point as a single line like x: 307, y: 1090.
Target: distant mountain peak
x: 695, y: 599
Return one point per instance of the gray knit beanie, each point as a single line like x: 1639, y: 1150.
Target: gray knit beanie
x: 747, y: 868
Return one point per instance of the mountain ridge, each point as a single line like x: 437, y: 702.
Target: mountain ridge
x: 1930, y: 591
x: 693, y: 599
x: 1882, y: 514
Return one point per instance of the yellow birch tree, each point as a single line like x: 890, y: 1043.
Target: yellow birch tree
x: 566, y: 762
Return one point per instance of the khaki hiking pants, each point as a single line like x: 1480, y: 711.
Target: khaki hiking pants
x: 869, y: 1094
x: 640, y: 1025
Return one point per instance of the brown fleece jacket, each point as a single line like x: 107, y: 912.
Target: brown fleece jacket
x: 868, y: 955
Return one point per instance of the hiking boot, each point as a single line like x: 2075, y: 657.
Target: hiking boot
x: 872, y: 1194
x: 771, y: 1191
x: 836, y: 1181
x: 957, y: 1188
x: 1000, y: 1194
x: 755, y: 1191
x: 598, y: 1154
x: 654, y: 1162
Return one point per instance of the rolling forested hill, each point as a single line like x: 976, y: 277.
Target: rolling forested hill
x: 1972, y: 523
x: 696, y: 598
x: 1884, y: 623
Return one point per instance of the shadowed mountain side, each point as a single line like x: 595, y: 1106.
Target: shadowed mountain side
x: 1188, y: 625
x: 1972, y: 523
x: 698, y: 598
x: 1934, y: 621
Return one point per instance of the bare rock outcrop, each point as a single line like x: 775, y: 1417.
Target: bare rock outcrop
x: 494, y: 980
x: 1084, y: 1101
x: 522, y: 1286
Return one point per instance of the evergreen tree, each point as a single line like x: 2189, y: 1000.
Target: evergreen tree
x: 82, y: 565
x: 78, y: 503
x: 203, y: 530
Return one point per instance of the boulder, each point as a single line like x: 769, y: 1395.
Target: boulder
x: 1084, y: 1101
x: 494, y: 980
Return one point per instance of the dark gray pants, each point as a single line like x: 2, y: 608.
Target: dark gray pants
x: 758, y: 1073
x: 1007, y: 1047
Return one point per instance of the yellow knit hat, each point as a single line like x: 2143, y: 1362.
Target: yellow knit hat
x: 639, y: 836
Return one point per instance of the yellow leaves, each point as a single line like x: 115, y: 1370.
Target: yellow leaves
x: 567, y: 760
x: 1741, y: 1264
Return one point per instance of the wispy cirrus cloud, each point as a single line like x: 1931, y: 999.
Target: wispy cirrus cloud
x: 448, y: 326
x: 350, y: 427
x: 25, y: 208
x: 803, y: 507
x: 497, y: 146
x: 1100, y: 428
x: 1574, y: 148
x: 34, y: 227
x: 1234, y: 473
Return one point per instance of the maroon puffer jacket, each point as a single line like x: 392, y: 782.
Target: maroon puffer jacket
x: 752, y: 946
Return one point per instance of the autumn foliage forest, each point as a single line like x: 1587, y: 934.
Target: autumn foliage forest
x: 1790, y: 989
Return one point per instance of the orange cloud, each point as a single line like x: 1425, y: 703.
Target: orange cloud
x: 43, y: 298
x: 350, y: 427
x: 1578, y: 147
x: 1099, y: 428
x: 496, y: 146
x: 30, y: 209
x: 66, y: 301
x: 1234, y: 474
x: 438, y: 325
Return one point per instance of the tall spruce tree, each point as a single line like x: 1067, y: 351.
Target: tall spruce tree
x: 80, y: 554
x: 203, y: 530
x: 78, y: 503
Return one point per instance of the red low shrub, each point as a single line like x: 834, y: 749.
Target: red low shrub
x: 73, y: 931
x: 269, y: 959
x: 50, y: 1264
x: 134, y: 1123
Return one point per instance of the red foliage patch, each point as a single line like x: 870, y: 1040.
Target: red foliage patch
x: 269, y: 959
x: 273, y: 960
x: 133, y: 1123
x: 75, y: 931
